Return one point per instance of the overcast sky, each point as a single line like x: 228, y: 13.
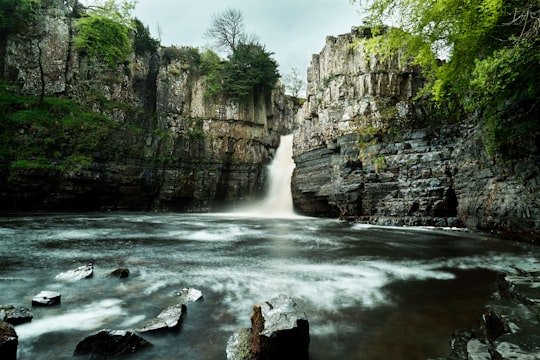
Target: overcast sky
x: 292, y: 29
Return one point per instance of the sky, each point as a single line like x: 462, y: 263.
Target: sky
x: 292, y: 29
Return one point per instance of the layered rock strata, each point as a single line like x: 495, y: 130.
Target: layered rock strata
x: 365, y: 150
x: 189, y: 153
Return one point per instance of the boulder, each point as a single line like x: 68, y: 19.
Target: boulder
x: 15, y: 315
x: 8, y: 341
x: 120, y: 273
x: 189, y: 295
x: 168, y: 319
x: 82, y: 272
x: 46, y: 298
x: 110, y: 344
x: 279, y: 331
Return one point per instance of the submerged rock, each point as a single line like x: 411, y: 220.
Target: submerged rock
x: 279, y: 331
x: 46, y: 298
x: 82, y: 272
x: 8, y: 341
x: 109, y: 344
x: 189, y: 295
x: 168, y: 319
x: 120, y: 273
x: 15, y: 315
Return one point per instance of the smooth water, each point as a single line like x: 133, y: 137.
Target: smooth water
x: 369, y: 292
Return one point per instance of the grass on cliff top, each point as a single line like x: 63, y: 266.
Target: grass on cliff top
x: 55, y: 134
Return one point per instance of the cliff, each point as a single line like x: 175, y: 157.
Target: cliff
x: 365, y: 150
x: 171, y: 147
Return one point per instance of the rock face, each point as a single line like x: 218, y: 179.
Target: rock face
x: 46, y: 298
x: 279, y: 331
x: 8, y: 341
x: 364, y: 150
x: 509, y: 325
x: 190, y: 153
x: 111, y: 344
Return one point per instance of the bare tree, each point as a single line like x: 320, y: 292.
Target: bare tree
x: 227, y: 30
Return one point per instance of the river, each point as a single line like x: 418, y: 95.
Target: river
x: 369, y: 292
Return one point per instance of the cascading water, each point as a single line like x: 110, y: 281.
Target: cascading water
x: 277, y: 202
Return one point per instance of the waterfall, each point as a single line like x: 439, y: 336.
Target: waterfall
x: 277, y: 202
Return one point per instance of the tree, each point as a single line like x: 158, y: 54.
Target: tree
x: 490, y: 48
x: 14, y: 13
x: 227, y: 30
x: 294, y: 83
x: 250, y: 70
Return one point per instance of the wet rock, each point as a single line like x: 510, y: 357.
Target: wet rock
x: 168, y: 319
x: 46, y: 298
x: 8, y: 341
x: 279, y: 331
x: 82, y: 272
x: 189, y: 295
x: 510, y: 324
x: 111, y: 344
x: 15, y: 315
x: 120, y: 273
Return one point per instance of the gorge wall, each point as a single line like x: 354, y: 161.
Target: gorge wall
x: 365, y: 150
x: 174, y: 148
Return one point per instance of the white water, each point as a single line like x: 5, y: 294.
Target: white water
x: 277, y: 202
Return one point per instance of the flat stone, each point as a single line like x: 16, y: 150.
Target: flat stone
x: 15, y: 315
x: 46, y: 298
x: 189, y: 295
x: 170, y: 318
x: 82, y: 272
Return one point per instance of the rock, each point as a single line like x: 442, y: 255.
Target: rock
x: 46, y: 298
x: 239, y: 346
x: 189, y: 295
x: 477, y: 350
x: 82, y: 272
x: 120, y: 273
x: 15, y: 315
x: 109, y: 344
x: 279, y: 331
x: 168, y: 319
x: 8, y: 341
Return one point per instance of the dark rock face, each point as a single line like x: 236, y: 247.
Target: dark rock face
x: 510, y: 323
x: 15, y: 315
x: 8, y: 341
x: 168, y: 319
x: 46, y: 298
x: 82, y: 272
x: 110, y: 344
x: 365, y: 151
x: 279, y: 331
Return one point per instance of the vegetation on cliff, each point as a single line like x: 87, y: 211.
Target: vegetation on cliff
x: 491, y: 48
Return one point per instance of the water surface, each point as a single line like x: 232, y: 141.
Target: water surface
x: 369, y: 292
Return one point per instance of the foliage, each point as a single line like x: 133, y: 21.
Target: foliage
x: 250, y: 70
x: 211, y: 67
x: 14, y: 13
x: 186, y: 55
x: 104, y: 33
x: 57, y: 134
x: 490, y: 47
x: 142, y: 40
x: 294, y: 83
